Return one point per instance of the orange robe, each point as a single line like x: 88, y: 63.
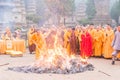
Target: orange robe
x: 98, y: 43
x: 108, y: 41
x: 103, y: 41
x: 92, y: 32
x: 37, y: 39
x: 31, y: 44
x: 67, y: 41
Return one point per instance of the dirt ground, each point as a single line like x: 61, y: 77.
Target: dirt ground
x: 103, y: 70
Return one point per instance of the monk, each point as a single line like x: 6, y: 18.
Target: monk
x: 73, y: 42
x: 31, y: 45
x: 67, y: 40
x: 77, y: 34
x: 38, y: 41
x: 8, y: 37
x: 116, y: 44
x: 98, y: 42
x: 108, y: 41
x: 85, y: 44
x: 17, y: 34
x: 8, y: 34
x: 103, y: 40
x: 91, y: 31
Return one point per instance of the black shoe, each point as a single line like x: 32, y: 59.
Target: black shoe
x: 113, y: 62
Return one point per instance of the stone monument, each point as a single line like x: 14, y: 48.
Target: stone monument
x: 102, y: 12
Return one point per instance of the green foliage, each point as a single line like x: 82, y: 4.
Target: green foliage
x: 34, y: 18
x: 90, y: 10
x: 115, y: 11
x: 84, y: 21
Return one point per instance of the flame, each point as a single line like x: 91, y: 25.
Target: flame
x: 55, y: 56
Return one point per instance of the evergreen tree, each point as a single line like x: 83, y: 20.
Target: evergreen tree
x: 115, y: 11
x: 90, y: 10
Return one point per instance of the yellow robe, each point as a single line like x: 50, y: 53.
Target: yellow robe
x: 66, y: 41
x: 98, y: 43
x: 103, y: 41
x: 108, y: 41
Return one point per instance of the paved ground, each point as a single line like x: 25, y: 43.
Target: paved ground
x: 103, y: 70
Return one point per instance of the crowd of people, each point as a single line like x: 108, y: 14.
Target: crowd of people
x: 85, y: 41
x: 8, y: 35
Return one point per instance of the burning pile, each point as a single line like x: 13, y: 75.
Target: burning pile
x: 56, y: 60
x: 56, y: 63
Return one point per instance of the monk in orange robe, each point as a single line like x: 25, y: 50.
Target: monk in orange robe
x: 38, y: 41
x: 8, y: 34
x: 98, y: 42
x: 108, y: 41
x: 91, y: 31
x: 67, y: 40
x: 31, y: 45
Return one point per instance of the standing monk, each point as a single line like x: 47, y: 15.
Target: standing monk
x: 31, y: 45
x: 77, y: 34
x: 86, y: 44
x: 108, y: 40
x: 73, y: 41
x: 38, y: 41
x: 92, y: 33
x: 116, y: 45
x: 98, y: 42
x: 8, y: 34
x: 67, y: 40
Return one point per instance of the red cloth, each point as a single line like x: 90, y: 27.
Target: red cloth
x: 86, y: 45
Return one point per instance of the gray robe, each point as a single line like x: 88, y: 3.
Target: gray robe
x: 116, y: 41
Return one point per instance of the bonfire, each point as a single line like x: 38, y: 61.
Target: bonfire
x: 56, y: 60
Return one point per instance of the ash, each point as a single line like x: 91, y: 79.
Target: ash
x: 60, y: 66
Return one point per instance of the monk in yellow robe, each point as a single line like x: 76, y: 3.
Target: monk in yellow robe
x: 103, y: 40
x: 108, y: 41
x: 8, y: 37
x: 67, y: 40
x: 38, y: 41
x: 8, y: 34
x: 98, y: 42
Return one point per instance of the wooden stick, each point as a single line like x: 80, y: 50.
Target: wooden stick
x: 4, y: 64
x: 104, y: 73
